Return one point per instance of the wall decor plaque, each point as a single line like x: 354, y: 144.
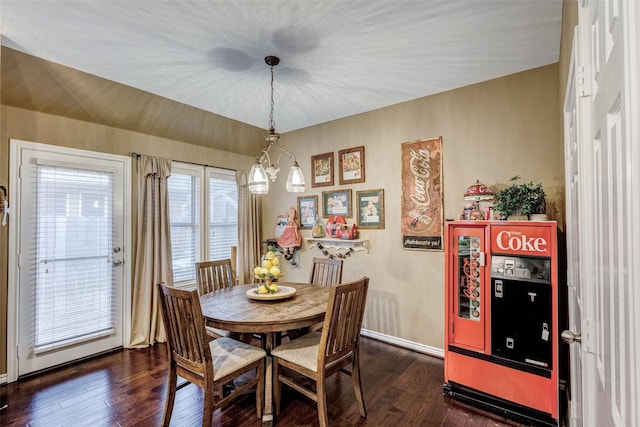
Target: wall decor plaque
x: 422, y: 210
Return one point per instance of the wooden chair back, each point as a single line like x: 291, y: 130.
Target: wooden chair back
x: 343, y: 321
x: 186, y: 333
x: 326, y: 272
x: 214, y: 275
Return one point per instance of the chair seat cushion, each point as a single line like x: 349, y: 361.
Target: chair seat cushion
x: 302, y: 351
x: 230, y: 355
x: 216, y: 333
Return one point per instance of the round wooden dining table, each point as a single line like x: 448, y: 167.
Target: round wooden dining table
x: 231, y: 309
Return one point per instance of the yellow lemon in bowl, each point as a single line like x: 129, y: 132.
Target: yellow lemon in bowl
x: 262, y: 289
x: 275, y: 271
x: 275, y: 261
x: 273, y: 288
x: 267, y: 264
x: 257, y: 271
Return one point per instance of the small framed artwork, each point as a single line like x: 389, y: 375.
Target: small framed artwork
x: 370, y: 205
x: 351, y: 165
x: 336, y: 203
x: 308, y: 208
x: 322, y: 167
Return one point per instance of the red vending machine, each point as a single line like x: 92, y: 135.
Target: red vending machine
x: 501, y: 314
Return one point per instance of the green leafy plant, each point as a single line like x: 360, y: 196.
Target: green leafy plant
x: 524, y: 199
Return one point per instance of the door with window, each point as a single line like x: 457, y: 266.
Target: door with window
x: 71, y: 208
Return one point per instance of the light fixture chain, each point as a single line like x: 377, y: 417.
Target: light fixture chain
x: 272, y: 124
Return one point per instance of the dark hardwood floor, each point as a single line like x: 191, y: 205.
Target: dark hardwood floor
x: 127, y: 388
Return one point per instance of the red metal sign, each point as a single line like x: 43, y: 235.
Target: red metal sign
x: 521, y: 239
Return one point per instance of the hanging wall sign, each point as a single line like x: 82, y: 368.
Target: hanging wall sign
x: 422, y: 212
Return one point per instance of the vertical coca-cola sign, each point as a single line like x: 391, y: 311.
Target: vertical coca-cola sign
x: 422, y: 217
x: 521, y: 239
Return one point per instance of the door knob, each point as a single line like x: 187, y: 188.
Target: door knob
x: 116, y: 262
x: 569, y: 337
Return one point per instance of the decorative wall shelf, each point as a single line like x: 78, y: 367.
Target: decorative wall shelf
x: 338, y: 248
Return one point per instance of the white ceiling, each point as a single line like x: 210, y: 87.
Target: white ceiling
x: 338, y: 58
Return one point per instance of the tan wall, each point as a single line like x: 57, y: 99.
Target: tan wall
x: 27, y: 125
x: 491, y: 131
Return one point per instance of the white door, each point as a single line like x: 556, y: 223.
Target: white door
x: 70, y: 227
x: 608, y: 194
x: 573, y: 178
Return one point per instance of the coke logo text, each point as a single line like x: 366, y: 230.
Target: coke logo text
x: 514, y: 241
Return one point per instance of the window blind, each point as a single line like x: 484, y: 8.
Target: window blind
x: 74, y: 289
x: 184, y: 214
x: 223, y: 213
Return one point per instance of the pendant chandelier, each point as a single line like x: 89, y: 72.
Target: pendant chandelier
x: 258, y: 181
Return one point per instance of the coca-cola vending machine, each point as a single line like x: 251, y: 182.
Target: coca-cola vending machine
x: 501, y: 314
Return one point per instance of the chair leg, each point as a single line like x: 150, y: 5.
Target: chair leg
x: 170, y: 397
x: 276, y: 385
x: 322, y: 403
x: 357, y: 384
x: 260, y: 388
x: 209, y: 403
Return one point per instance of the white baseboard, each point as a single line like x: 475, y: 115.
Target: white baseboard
x: 3, y: 379
x: 399, y: 342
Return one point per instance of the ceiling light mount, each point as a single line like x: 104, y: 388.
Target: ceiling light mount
x: 258, y: 181
x: 272, y: 61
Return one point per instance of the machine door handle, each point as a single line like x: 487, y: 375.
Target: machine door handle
x: 569, y: 337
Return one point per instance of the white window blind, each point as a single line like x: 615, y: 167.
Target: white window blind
x: 74, y: 285
x: 191, y: 239
x: 223, y: 213
x: 184, y: 215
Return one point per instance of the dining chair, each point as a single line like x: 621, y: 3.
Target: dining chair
x: 210, y: 364
x: 326, y: 272
x: 318, y: 355
x: 212, y: 276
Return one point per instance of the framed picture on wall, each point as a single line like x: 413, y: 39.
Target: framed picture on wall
x: 322, y: 170
x: 308, y: 208
x: 336, y: 202
x: 370, y: 208
x: 351, y: 165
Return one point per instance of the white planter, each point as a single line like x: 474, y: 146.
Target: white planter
x: 538, y: 217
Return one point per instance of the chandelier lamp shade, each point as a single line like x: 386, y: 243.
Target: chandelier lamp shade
x: 259, y: 176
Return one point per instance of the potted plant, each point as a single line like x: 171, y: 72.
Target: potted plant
x: 520, y: 201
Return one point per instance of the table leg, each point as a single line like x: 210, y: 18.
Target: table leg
x: 267, y: 414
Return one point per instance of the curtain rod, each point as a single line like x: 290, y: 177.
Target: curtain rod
x: 137, y: 155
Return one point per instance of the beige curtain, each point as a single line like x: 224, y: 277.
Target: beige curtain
x: 153, y: 252
x: 250, y: 229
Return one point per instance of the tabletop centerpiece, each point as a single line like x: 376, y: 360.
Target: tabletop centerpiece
x: 268, y: 272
